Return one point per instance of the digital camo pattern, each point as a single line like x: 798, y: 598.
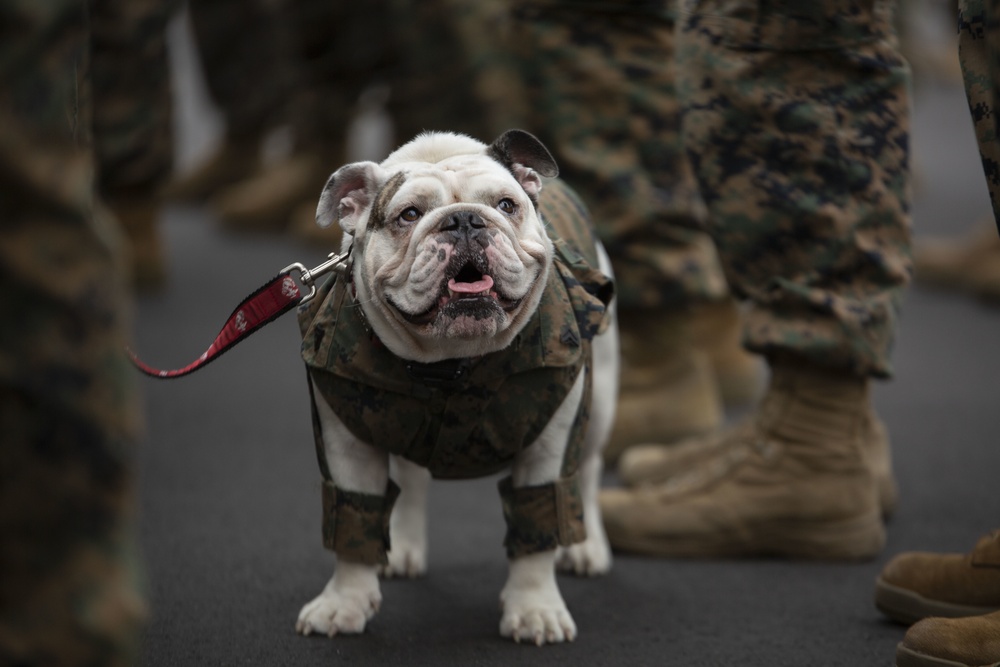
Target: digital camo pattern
x: 440, y: 51
x: 541, y: 518
x: 598, y: 80
x: 466, y: 417
x: 68, y: 415
x: 309, y: 61
x: 356, y: 525
x: 131, y: 94
x: 979, y: 50
x: 796, y: 121
x: 245, y: 50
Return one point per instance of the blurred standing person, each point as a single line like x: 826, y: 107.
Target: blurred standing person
x: 334, y: 50
x: 69, y: 589
x: 954, y: 599
x: 427, y: 55
x: 437, y: 50
x: 795, y: 120
x: 132, y: 134
x: 243, y: 46
x: 599, y: 82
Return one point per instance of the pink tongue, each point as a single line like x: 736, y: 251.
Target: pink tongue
x: 471, y: 288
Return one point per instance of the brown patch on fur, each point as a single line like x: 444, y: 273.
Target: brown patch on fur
x: 383, y: 197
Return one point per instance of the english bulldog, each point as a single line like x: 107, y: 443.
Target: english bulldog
x: 472, y: 333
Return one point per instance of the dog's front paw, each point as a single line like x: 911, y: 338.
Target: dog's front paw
x: 407, y: 558
x: 537, y: 616
x: 589, y: 558
x: 346, y: 604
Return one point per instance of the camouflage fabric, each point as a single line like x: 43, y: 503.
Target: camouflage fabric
x: 463, y: 417
x: 339, y: 49
x: 439, y: 50
x: 69, y: 592
x: 133, y: 139
x: 356, y: 525
x: 531, y: 511
x: 979, y: 49
x: 598, y: 80
x: 796, y: 121
x: 245, y: 51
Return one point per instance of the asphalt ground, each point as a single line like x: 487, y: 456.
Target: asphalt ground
x: 230, y: 495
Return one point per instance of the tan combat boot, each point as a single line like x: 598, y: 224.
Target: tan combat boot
x: 650, y: 464
x: 717, y: 329
x: 970, y: 264
x: 799, y: 489
x: 667, y: 391
x: 952, y: 642
x: 266, y: 201
x: 234, y: 161
x: 139, y: 218
x: 915, y: 585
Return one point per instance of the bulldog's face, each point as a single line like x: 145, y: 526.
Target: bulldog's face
x: 450, y: 256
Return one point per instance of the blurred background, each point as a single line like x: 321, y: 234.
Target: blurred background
x: 230, y: 513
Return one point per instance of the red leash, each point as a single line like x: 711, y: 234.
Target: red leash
x: 269, y: 302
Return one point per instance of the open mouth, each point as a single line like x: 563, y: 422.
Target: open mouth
x: 468, y: 291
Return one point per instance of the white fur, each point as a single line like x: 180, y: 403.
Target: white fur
x: 352, y: 596
x: 533, y: 609
x: 408, y: 523
x: 593, y: 556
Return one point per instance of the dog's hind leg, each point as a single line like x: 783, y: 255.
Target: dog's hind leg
x: 408, y: 525
x: 593, y: 555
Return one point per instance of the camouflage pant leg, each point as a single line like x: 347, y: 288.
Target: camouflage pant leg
x: 797, y: 127
x: 436, y: 49
x: 244, y: 48
x: 340, y: 48
x: 979, y: 48
x: 599, y: 82
x: 133, y: 138
x: 68, y: 591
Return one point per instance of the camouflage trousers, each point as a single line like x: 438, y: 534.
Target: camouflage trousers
x: 796, y: 122
x: 781, y: 132
x: 599, y: 89
x: 309, y: 61
x: 68, y: 417
x: 245, y: 52
x: 130, y: 86
x: 979, y: 49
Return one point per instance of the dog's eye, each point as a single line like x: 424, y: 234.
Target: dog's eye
x: 410, y: 215
x: 507, y: 206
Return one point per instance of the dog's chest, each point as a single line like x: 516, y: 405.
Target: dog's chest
x: 459, y: 418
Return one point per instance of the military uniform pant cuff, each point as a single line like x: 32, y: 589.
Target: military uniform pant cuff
x: 356, y: 525
x: 540, y: 518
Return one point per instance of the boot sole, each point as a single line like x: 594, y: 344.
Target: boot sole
x: 906, y: 657
x: 854, y: 539
x: 907, y: 607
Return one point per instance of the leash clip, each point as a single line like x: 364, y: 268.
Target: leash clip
x: 336, y: 263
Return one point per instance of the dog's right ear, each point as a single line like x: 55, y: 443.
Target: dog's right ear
x: 348, y: 193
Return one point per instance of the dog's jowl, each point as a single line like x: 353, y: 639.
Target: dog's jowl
x: 473, y: 333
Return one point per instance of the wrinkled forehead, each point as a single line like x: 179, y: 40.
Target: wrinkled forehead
x: 459, y: 177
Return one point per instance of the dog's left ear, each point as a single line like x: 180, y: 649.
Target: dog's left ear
x: 526, y: 157
x: 347, y: 195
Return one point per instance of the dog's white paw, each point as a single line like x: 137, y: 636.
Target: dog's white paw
x: 345, y: 606
x: 537, y: 617
x: 407, y: 558
x: 589, y: 558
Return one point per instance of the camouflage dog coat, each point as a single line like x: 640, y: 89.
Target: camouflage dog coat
x: 467, y: 417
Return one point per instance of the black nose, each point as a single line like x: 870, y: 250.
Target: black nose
x: 463, y: 223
